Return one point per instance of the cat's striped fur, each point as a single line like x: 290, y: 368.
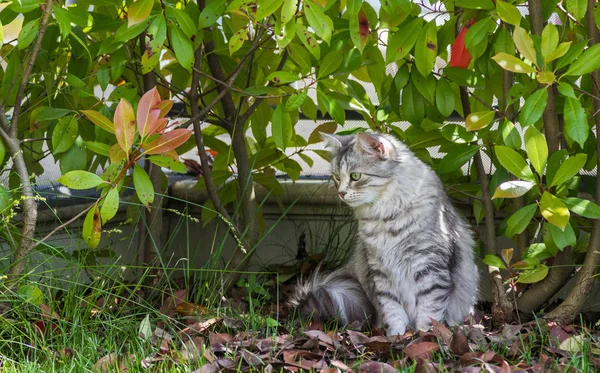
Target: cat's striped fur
x: 414, y: 257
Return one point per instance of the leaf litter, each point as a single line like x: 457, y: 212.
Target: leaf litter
x: 206, y: 344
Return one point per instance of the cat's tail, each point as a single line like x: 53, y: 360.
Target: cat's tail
x: 334, y: 295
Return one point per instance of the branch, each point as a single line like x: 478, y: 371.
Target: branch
x: 501, y: 307
x: 25, y: 78
x: 244, y: 117
x: 574, y: 302
x: 196, y: 118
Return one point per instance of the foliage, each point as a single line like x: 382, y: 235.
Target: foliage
x: 246, y: 68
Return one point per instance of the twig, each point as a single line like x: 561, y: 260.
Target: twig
x: 55, y: 230
x: 25, y: 78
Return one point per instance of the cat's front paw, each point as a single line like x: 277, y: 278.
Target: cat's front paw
x: 395, y: 330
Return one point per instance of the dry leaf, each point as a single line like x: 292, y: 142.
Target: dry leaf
x: 421, y: 349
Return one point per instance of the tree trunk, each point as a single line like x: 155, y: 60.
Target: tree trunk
x: 574, y: 302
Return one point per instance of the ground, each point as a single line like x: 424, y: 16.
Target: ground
x: 131, y: 328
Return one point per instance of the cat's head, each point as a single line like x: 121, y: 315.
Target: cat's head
x: 362, y: 164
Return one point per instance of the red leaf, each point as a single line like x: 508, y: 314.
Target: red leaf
x: 124, y: 125
x: 168, y: 141
x: 148, y: 112
x: 363, y: 26
x: 460, y: 55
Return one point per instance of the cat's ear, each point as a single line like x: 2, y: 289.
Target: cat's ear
x: 369, y: 144
x: 332, y: 142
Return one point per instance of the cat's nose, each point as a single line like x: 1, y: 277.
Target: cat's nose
x: 342, y: 194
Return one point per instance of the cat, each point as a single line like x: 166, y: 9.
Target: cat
x: 414, y: 259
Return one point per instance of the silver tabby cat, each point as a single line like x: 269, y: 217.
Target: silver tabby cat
x: 414, y: 258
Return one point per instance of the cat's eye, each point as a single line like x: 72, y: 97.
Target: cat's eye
x: 355, y: 176
x: 336, y: 177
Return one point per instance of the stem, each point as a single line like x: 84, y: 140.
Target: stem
x: 30, y: 212
x: 585, y: 279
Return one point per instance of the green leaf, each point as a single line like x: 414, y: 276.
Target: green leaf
x: 524, y: 44
x: 569, y: 168
x: 282, y: 127
x: 80, y: 180
x: 185, y: 22
x: 296, y: 100
x: 566, y: 90
x: 143, y: 186
x: 319, y: 21
x: 99, y: 120
x: 92, y: 228
x: 514, y: 163
x: 474, y: 4
x: 444, y: 97
x: 330, y: 64
x: 554, y: 210
x: 478, y: 120
x: 560, y: 51
x: 533, y: 276
x: 50, y: 113
x: 478, y: 32
x: 167, y: 162
x: 62, y: 18
x: 510, y: 135
x: 549, y: 40
x: 537, y: 149
x: 582, y: 207
x: 562, y: 239
x: 577, y: 8
x: 456, y: 158
x: 519, y: 221
x: 31, y: 293
x: 237, y: 40
x: 98, y: 147
x: 300, y: 56
x: 537, y: 251
x: 6, y: 201
x: 288, y: 11
x: 402, y: 41
x: 182, y: 46
x: 139, y: 12
x: 110, y: 205
x: 266, y: 8
x: 28, y: 34
x: 572, y: 54
x: 556, y: 160
x: 64, y: 134
x: 508, y: 13
x: 589, y: 61
x: 576, y: 123
x: 309, y: 40
x: 534, y: 107
x: 211, y: 13
x: 494, y: 261
x: 512, y: 63
x: 546, y: 77
x: 283, y: 77
x: 426, y: 49
x: 513, y: 189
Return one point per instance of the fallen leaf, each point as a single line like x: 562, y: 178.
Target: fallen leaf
x: 376, y: 367
x: 107, y: 363
x: 459, y: 344
x: 573, y: 344
x: 172, y: 301
x: 421, y: 349
x: 343, y: 367
x: 441, y: 331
